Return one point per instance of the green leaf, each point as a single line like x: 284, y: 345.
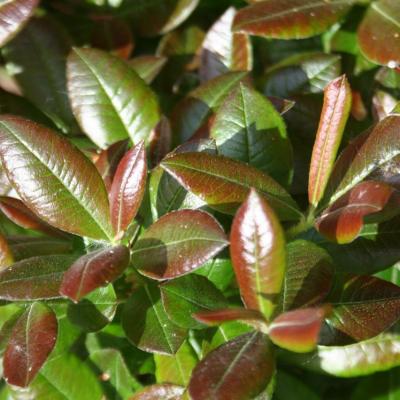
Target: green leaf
x: 148, y: 67
x: 55, y: 180
x: 219, y: 271
x: 164, y: 391
x: 290, y: 387
x: 248, y: 128
x: 109, y: 99
x: 6, y: 255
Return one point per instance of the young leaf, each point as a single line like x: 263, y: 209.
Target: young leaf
x: 6, y: 255
x: 187, y: 295
x: 239, y: 369
x: 33, y: 338
x: 128, y: 187
x: 148, y: 67
x: 248, y: 128
x: 35, y: 278
x: 55, y: 180
x: 164, y: 391
x: 343, y: 220
x: 334, y: 115
x: 147, y: 325
x: 177, y: 244
x: 224, y: 50
x: 14, y: 15
x: 298, y: 330
x: 290, y: 19
x: 94, y: 270
x: 109, y: 99
x: 215, y: 179
x: 258, y: 254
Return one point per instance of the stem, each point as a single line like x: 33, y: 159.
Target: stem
x: 306, y: 222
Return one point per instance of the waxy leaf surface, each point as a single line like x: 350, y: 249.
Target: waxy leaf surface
x: 164, y: 391
x: 32, y: 339
x: 178, y: 243
x: 148, y: 67
x: 110, y: 101
x: 224, y: 183
x: 54, y: 180
x: 6, y: 256
x: 258, y: 254
x: 94, y: 270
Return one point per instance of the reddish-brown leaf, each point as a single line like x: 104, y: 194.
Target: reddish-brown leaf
x: 32, y: 339
x: 6, y: 256
x: 344, y: 219
x: 128, y: 188
x: 335, y: 111
x: 258, y: 254
x: 298, y: 330
x: 164, y: 391
x: 93, y: 271
x: 160, y: 141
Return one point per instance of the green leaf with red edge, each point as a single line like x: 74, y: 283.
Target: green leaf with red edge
x: 128, y: 188
x: 239, y: 369
x: 224, y: 50
x: 93, y: 79
x: 193, y: 111
x: 38, y: 55
x: 177, y: 244
x: 20, y: 214
x: 379, y: 33
x: 33, y: 338
x: 190, y: 294
x: 364, y: 306
x: 147, y: 325
x: 298, y: 330
x: 343, y: 221
x: 290, y: 19
x: 148, y: 67
x: 6, y: 255
x: 334, y: 115
x: 94, y: 270
x: 309, y: 275
x: 165, y: 391
x: 248, y: 128
x: 258, y: 254
x: 215, y: 179
x: 14, y: 15
x: 35, y: 278
x: 55, y: 180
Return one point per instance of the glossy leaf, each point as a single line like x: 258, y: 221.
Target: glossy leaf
x: 239, y: 369
x: 379, y: 33
x: 187, y: 295
x: 219, y: 271
x: 343, y: 220
x: 247, y: 128
x: 94, y: 78
x: 178, y: 243
x: 50, y: 185
x: 215, y: 179
x: 128, y: 187
x: 147, y: 325
x: 14, y: 15
x: 258, y: 254
x: 298, y: 330
x: 94, y: 270
x: 164, y: 391
x: 223, y: 50
x: 160, y: 141
x: 32, y: 339
x: 6, y: 255
x: 308, y: 277
x: 290, y: 19
x: 334, y: 115
x: 35, y: 278
x: 148, y: 67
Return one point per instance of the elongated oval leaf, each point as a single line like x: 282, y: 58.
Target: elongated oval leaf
x: 215, y: 179
x: 109, y: 99
x: 248, y: 128
x: 35, y: 278
x: 54, y: 179
x: 128, y: 187
x: 6, y: 256
x: 290, y: 19
x: 335, y: 111
x: 33, y: 338
x: 239, y: 369
x: 93, y: 271
x: 147, y: 325
x: 224, y: 50
x: 178, y: 243
x: 164, y: 391
x: 14, y: 15
x: 148, y: 67
x: 258, y: 254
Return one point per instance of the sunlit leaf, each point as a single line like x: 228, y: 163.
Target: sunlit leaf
x: 148, y: 67
x: 164, y: 391
x: 6, y: 255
